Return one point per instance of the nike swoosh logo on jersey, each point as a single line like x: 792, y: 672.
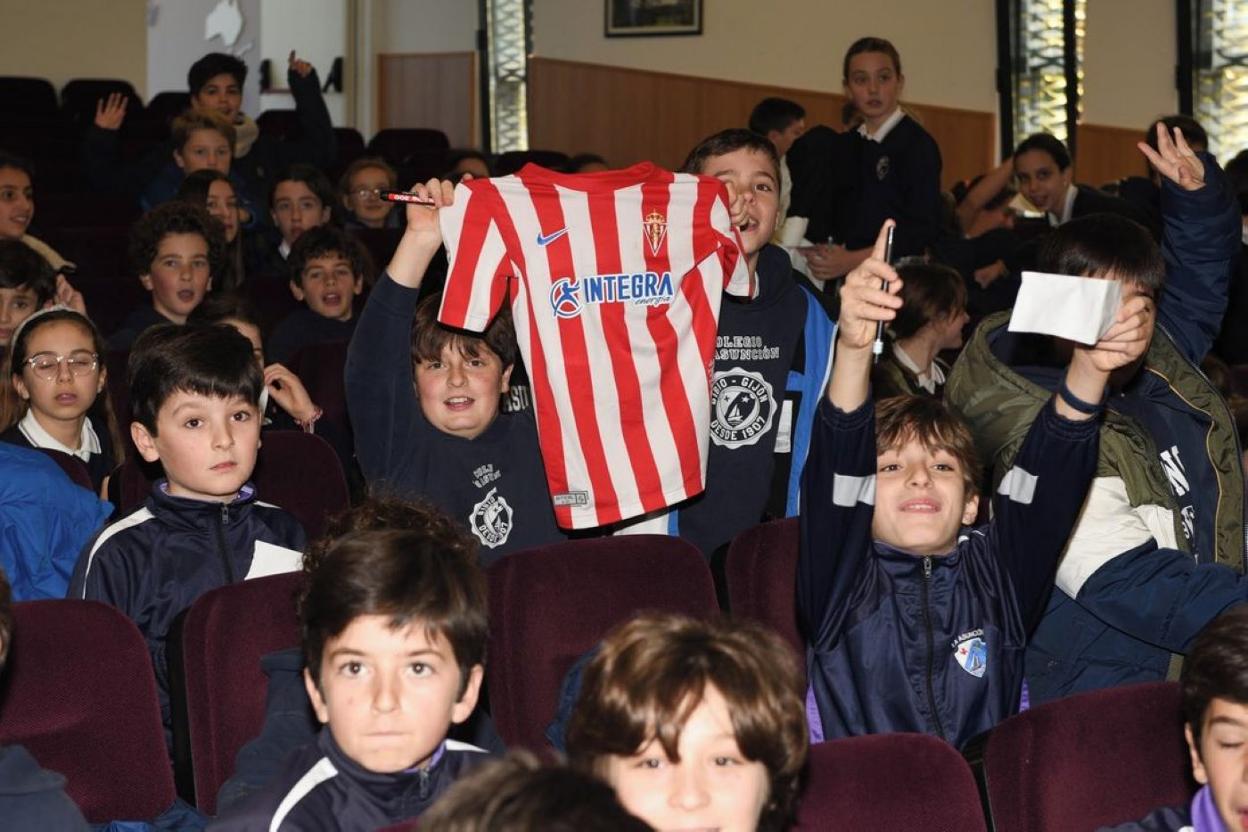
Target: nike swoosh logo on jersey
x: 547, y: 239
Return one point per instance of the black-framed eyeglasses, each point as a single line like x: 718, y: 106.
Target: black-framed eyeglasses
x: 46, y: 365
x: 366, y: 193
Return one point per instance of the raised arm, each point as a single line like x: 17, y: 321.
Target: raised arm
x: 382, y: 402
x: 317, y: 143
x: 838, y: 482
x: 1200, y: 241
x: 1040, y: 496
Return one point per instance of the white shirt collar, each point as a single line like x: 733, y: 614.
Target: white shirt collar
x: 283, y: 248
x: 40, y: 438
x: 930, y: 379
x: 885, y: 128
x: 1068, y: 207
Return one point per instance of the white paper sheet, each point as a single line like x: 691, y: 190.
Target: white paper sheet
x: 1077, y: 308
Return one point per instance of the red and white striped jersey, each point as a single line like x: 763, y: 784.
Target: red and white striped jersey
x: 615, y: 281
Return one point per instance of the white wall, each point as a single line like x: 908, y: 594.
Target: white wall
x: 1129, y: 68
x: 425, y: 26
x: 948, y: 47
x: 61, y: 41
x: 387, y: 27
x: 317, y: 31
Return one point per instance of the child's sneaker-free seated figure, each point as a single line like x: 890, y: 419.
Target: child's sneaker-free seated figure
x: 194, y: 392
x: 915, y: 622
x: 394, y: 632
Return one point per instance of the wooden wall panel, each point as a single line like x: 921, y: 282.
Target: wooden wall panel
x: 436, y: 90
x: 628, y: 115
x: 1106, y: 154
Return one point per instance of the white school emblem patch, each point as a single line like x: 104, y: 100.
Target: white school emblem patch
x: 971, y: 651
x: 490, y: 520
x: 743, y: 407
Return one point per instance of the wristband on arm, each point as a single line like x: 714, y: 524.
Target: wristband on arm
x: 1077, y: 403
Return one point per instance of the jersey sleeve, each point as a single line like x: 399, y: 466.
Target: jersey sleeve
x: 737, y: 277
x: 477, y: 261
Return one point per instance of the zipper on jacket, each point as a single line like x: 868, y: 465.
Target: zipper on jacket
x: 222, y: 549
x: 931, y: 647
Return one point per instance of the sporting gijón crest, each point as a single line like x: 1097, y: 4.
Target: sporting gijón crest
x: 656, y: 230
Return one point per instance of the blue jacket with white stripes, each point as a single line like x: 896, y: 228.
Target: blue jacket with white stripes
x: 322, y: 788
x: 930, y: 644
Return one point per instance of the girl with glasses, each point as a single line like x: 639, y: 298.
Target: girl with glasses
x: 56, y: 364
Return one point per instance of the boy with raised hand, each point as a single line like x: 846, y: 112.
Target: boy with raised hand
x: 443, y: 438
x: 215, y: 83
x: 915, y: 622
x: 394, y: 634
x: 194, y: 393
x: 1158, y: 551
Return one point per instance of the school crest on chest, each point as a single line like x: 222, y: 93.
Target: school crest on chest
x: 491, y: 520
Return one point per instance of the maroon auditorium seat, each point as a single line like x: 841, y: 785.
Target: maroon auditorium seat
x: 350, y: 146
x: 80, y: 96
x: 888, y: 782
x: 1090, y: 760
x: 322, y: 369
x: 81, y: 697
x: 761, y: 573
x: 167, y: 106
x: 226, y: 633
x: 272, y: 297
x: 551, y: 604
x: 28, y: 100
x: 513, y: 160
x: 280, y: 124
x: 81, y: 209
x: 380, y: 242
x: 396, y: 144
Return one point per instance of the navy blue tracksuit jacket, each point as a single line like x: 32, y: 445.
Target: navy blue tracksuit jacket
x: 935, y: 645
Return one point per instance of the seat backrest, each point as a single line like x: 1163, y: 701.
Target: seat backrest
x: 301, y: 473
x: 761, y: 574
x: 380, y: 242
x: 551, y: 604
x: 350, y: 145
x: 226, y: 633
x: 280, y: 124
x: 73, y: 467
x: 395, y: 144
x: 322, y: 369
x: 167, y: 106
x: 295, y: 470
x: 27, y: 99
x: 80, y: 695
x: 513, y: 160
x: 79, y: 97
x: 1089, y: 760
x: 889, y: 781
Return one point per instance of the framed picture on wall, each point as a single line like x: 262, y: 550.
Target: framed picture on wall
x: 647, y: 18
